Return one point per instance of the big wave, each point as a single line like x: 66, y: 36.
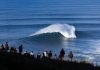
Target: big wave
x: 56, y: 30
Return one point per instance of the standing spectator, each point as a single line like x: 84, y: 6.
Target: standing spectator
x: 20, y: 48
x: 31, y: 53
x: 62, y: 53
x: 38, y: 55
x: 45, y: 53
x: 70, y: 56
x: 55, y: 56
x: 50, y: 55
x: 2, y: 47
x: 6, y: 46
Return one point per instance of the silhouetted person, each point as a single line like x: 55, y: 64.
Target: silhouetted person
x: 55, y: 56
x: 6, y: 46
x: 20, y: 48
x: 45, y: 54
x: 62, y: 53
x: 50, y: 55
x: 13, y: 50
x: 2, y: 47
x: 31, y: 53
x: 38, y: 55
x: 70, y: 56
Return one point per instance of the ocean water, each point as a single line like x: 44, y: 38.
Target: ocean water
x: 21, y: 18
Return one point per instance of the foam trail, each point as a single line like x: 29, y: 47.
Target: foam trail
x: 68, y: 31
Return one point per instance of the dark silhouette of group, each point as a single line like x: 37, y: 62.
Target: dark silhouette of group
x: 5, y: 47
x: 46, y: 55
x: 62, y: 53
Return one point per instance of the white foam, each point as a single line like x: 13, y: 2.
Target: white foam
x: 68, y: 31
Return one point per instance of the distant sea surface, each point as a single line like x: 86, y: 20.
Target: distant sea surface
x: 21, y: 18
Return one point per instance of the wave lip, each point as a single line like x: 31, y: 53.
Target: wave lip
x: 68, y: 31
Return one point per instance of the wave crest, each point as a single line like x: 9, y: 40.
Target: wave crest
x: 68, y: 31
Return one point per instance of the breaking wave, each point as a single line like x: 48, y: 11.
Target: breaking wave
x: 64, y: 31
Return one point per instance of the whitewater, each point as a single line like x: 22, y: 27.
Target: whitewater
x: 68, y: 31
